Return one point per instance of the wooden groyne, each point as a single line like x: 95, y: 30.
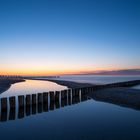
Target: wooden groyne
x: 18, y: 107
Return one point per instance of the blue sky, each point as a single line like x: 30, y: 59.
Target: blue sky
x: 63, y: 36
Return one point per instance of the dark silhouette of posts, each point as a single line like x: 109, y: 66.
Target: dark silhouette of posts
x: 28, y: 100
x: 40, y: 102
x: 4, y: 104
x: 21, y: 106
x: 28, y: 105
x: 33, y: 103
x: 65, y: 98
x: 45, y: 101
x: 12, y: 102
x: 3, y: 116
x: 52, y: 96
x: 33, y: 99
x: 57, y: 103
x: 52, y: 100
x: 69, y: 96
x: 21, y: 100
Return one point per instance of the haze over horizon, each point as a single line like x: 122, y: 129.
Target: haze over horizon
x: 49, y: 37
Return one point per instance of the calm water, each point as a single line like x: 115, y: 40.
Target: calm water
x: 80, y: 119
x: 99, y: 79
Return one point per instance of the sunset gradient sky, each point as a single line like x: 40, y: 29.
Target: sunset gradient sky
x: 46, y: 37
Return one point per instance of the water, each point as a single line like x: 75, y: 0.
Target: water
x: 30, y: 87
x: 98, y: 79
x: 79, y: 119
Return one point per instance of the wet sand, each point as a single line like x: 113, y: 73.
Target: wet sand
x: 5, y: 84
x: 69, y: 84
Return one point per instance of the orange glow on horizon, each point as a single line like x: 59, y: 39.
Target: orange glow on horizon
x: 33, y: 72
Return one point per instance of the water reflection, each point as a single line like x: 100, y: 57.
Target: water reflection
x: 19, y: 107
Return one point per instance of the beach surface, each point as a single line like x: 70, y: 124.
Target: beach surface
x: 5, y: 83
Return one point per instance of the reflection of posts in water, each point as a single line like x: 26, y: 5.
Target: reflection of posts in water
x: 45, y: 101
x: 12, y: 113
x: 21, y: 101
x: 28, y: 105
x: 62, y: 94
x: 69, y: 97
x: 57, y: 100
x: 4, y: 104
x: 52, y: 100
x: 40, y: 102
x: 12, y: 102
x: 21, y: 106
x: 33, y: 103
x: 3, y: 116
x: 65, y: 98
x: 51, y: 96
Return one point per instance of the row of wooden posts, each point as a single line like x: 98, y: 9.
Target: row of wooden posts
x: 36, y: 103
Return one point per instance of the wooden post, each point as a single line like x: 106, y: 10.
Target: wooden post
x: 28, y: 100
x: 62, y: 95
x: 33, y: 99
x: 21, y: 100
x: 4, y: 104
x: 45, y: 97
x: 52, y: 96
x: 69, y: 96
x: 3, y: 116
x: 12, y: 102
x: 45, y: 101
x: 40, y: 100
x: 57, y: 94
x: 40, y: 103
x: 28, y: 105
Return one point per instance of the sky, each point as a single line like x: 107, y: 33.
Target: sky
x: 46, y: 37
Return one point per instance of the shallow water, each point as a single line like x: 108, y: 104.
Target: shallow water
x: 99, y: 79
x: 79, y: 119
x: 30, y: 87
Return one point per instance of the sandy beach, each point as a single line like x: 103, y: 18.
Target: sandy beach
x: 5, y: 83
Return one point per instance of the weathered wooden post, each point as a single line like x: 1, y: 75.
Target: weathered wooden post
x: 21, y: 106
x: 51, y: 96
x: 21, y: 100
x: 62, y: 94
x: 45, y: 101
x: 28, y: 100
x: 40, y: 102
x: 28, y: 105
x: 3, y: 116
x: 52, y: 100
x: 12, y: 102
x: 65, y: 98
x: 33, y: 99
x: 69, y: 96
x: 33, y: 103
x: 45, y: 97
x: 40, y: 98
x: 73, y: 92
x: 4, y: 104
x: 57, y: 94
